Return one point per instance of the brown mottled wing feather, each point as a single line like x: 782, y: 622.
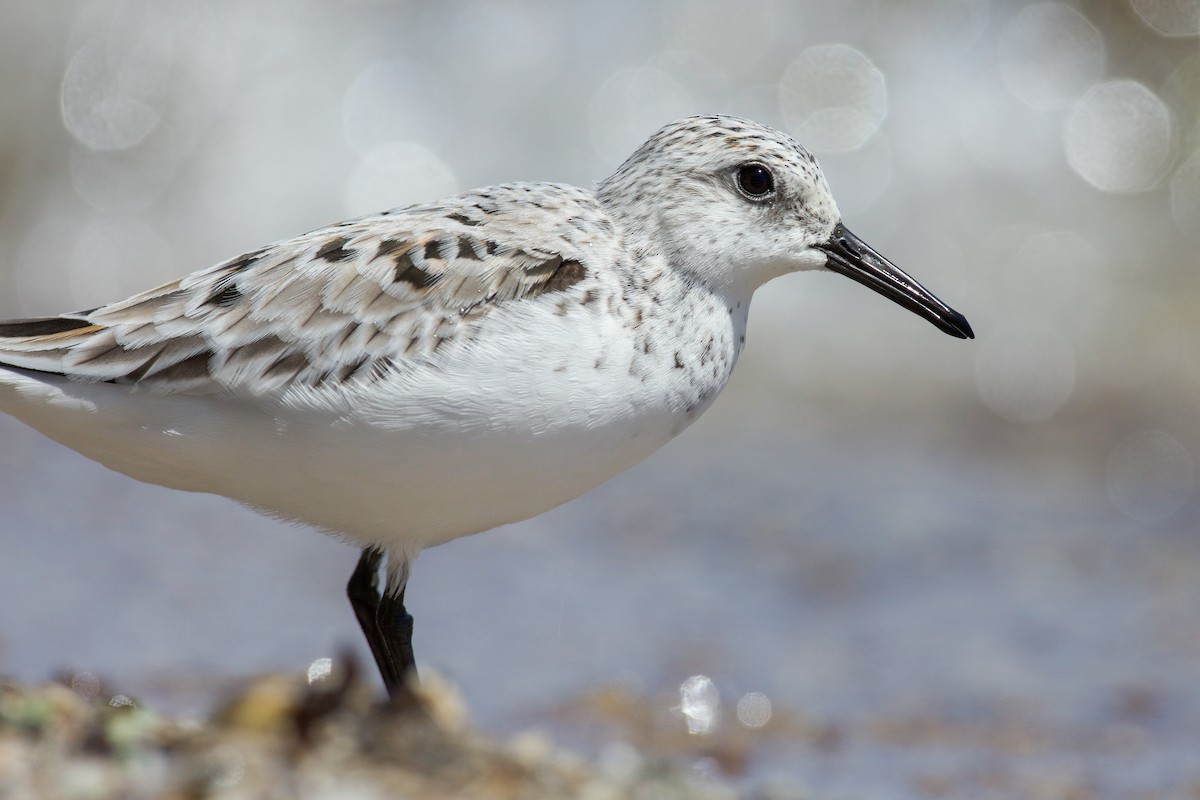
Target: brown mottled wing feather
x: 332, y: 305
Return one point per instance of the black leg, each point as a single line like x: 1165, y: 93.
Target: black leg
x: 387, y: 626
x: 363, y: 591
x: 396, y: 628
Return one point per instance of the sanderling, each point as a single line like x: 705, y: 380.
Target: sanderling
x: 404, y: 379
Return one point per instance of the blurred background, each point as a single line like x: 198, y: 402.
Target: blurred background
x: 887, y: 563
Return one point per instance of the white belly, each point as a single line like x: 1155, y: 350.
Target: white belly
x: 432, y: 454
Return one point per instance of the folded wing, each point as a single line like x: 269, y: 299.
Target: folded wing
x: 340, y: 304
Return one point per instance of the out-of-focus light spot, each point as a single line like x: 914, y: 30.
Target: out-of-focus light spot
x: 1025, y: 372
x: 630, y: 106
x: 124, y: 181
x: 116, y: 257
x: 397, y: 174
x: 121, y: 701
x: 1049, y: 53
x: 102, y: 106
x: 1150, y: 475
x: 1185, y: 196
x: 833, y: 98
x: 1170, y: 17
x: 320, y: 670
x: 754, y: 710
x: 1118, y: 137
x: 389, y: 102
x: 699, y: 702
x: 1180, y: 92
x: 86, y: 685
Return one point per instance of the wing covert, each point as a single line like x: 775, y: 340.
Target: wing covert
x: 336, y: 304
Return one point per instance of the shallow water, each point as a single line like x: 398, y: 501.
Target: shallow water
x: 956, y: 609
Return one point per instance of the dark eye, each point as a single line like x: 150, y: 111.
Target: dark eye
x: 755, y: 180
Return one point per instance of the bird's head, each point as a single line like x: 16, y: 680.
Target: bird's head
x: 734, y: 203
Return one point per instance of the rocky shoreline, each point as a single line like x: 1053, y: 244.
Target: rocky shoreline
x: 284, y: 736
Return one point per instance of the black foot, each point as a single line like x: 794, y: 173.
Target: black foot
x: 388, y: 627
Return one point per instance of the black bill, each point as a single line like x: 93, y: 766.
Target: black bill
x: 855, y: 259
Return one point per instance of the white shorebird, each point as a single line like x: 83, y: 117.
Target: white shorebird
x: 434, y: 371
